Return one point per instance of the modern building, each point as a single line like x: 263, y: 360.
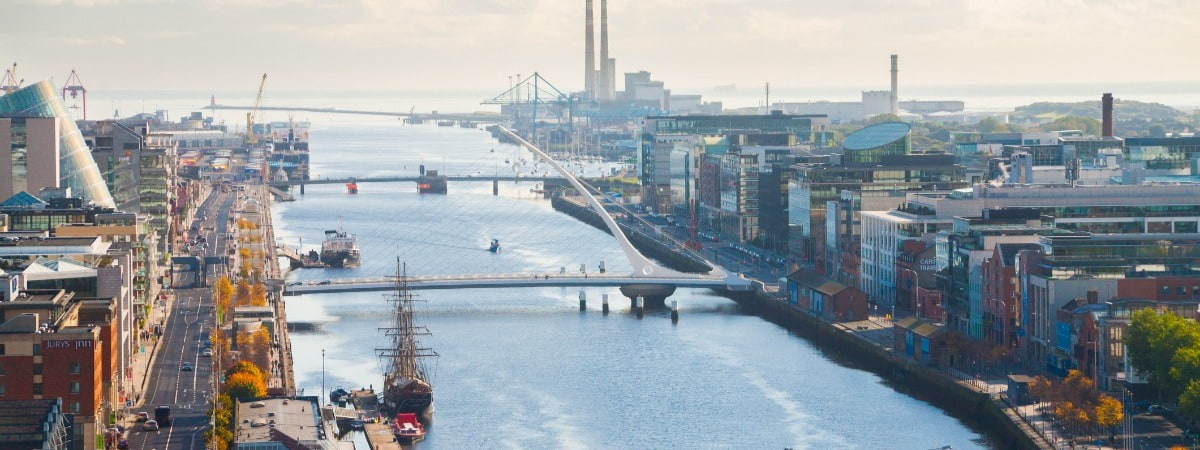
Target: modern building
x: 77, y: 170
x: 36, y: 425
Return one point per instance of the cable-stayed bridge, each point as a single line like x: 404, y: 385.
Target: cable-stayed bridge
x: 647, y: 278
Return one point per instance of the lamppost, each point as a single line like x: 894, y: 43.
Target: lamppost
x: 322, y: 376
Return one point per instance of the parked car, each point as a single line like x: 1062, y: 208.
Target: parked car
x: 1158, y: 409
x: 150, y: 425
x: 123, y: 445
x: 143, y: 416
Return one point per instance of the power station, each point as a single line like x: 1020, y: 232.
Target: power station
x: 599, y: 84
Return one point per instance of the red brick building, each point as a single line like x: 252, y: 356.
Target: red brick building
x: 1001, y: 302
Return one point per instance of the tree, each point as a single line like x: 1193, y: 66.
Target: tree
x: 1189, y: 401
x: 1109, y: 412
x: 243, y: 293
x: 1088, y: 125
x: 991, y: 125
x: 258, y: 295
x: 883, y: 118
x: 1153, y: 340
x: 245, y: 385
x: 244, y: 366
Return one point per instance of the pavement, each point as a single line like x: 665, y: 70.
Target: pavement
x: 160, y: 374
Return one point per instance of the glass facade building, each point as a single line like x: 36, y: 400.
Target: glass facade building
x: 871, y: 144
x: 77, y: 169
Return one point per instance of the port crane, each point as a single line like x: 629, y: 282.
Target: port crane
x: 10, y: 83
x: 75, y: 87
x: 251, y: 137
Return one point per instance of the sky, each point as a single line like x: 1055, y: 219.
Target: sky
x: 451, y: 45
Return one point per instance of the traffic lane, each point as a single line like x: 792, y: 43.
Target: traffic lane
x: 181, y: 390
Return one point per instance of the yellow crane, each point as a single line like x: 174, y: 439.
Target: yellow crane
x: 251, y: 136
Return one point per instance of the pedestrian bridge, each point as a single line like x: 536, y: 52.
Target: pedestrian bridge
x: 516, y: 280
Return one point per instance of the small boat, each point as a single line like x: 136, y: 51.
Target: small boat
x: 495, y: 247
x: 407, y: 428
x: 352, y: 186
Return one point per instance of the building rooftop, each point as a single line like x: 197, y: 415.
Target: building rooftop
x: 876, y: 135
x: 296, y: 418
x: 816, y: 282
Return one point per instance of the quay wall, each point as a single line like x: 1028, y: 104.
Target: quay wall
x: 979, y: 409
x: 648, y: 246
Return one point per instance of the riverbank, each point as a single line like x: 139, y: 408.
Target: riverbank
x: 981, y: 409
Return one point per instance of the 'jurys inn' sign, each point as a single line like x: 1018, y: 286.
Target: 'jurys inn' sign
x: 69, y: 344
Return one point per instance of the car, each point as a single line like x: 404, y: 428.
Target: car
x: 1158, y: 409
x: 150, y: 425
x: 123, y: 445
x: 324, y: 282
x: 143, y: 416
x: 206, y: 352
x: 187, y: 367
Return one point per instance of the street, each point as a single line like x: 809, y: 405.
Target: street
x: 188, y: 393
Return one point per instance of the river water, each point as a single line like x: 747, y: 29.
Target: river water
x: 524, y: 368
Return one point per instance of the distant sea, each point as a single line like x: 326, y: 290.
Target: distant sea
x: 1182, y: 95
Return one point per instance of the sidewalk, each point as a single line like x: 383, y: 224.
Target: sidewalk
x: 144, y: 356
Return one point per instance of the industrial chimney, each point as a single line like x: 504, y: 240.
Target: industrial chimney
x: 1106, y: 105
x: 604, y: 86
x: 895, y: 87
x: 589, y: 53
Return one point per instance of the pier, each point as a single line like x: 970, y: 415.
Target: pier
x: 455, y: 117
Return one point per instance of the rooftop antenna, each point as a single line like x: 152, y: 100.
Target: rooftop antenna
x: 768, y: 90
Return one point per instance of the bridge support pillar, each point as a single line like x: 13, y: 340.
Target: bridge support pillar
x: 639, y: 307
x: 495, y: 186
x: 674, y: 311
x: 302, y: 187
x: 604, y: 301
x: 582, y: 301
x: 654, y: 294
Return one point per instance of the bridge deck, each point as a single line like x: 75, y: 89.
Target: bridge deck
x: 510, y: 281
x: 412, y: 179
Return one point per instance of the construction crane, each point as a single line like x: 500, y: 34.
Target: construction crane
x: 75, y: 86
x: 251, y: 136
x: 10, y: 83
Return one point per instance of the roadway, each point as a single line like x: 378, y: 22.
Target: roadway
x: 188, y: 393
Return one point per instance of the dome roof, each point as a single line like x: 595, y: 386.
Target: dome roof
x: 876, y: 135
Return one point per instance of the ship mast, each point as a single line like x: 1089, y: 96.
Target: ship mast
x: 404, y: 356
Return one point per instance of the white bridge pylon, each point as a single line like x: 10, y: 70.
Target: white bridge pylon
x: 643, y: 267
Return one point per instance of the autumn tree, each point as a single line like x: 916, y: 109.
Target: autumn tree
x: 245, y: 385
x: 258, y: 295
x: 243, y: 366
x: 1109, y: 413
x: 242, y: 298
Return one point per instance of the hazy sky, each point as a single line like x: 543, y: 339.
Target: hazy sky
x: 477, y: 44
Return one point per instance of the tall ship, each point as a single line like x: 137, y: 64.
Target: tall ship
x: 339, y: 249
x: 406, y: 385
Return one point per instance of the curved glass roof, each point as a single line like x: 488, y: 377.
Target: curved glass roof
x: 876, y: 135
x: 77, y: 168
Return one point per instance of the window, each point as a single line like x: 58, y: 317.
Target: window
x: 37, y: 369
x: 75, y: 407
x: 74, y: 387
x: 37, y: 348
x: 74, y: 369
x: 1, y: 369
x: 2, y: 390
x: 1, y: 349
x: 37, y: 388
x: 1181, y: 290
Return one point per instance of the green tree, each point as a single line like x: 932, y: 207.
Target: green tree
x: 881, y: 118
x: 1153, y: 340
x: 1189, y: 401
x: 1088, y: 125
x: 991, y: 125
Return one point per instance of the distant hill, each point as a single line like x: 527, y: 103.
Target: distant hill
x: 1122, y: 110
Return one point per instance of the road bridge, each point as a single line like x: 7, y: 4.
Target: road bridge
x: 285, y: 183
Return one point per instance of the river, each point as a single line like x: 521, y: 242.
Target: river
x: 524, y: 368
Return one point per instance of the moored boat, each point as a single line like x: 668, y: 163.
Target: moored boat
x: 406, y: 387
x: 339, y: 249
x: 407, y: 428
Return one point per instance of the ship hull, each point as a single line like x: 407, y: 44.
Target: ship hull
x: 419, y: 404
x: 339, y: 259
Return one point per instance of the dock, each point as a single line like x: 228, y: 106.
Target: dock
x: 380, y: 437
